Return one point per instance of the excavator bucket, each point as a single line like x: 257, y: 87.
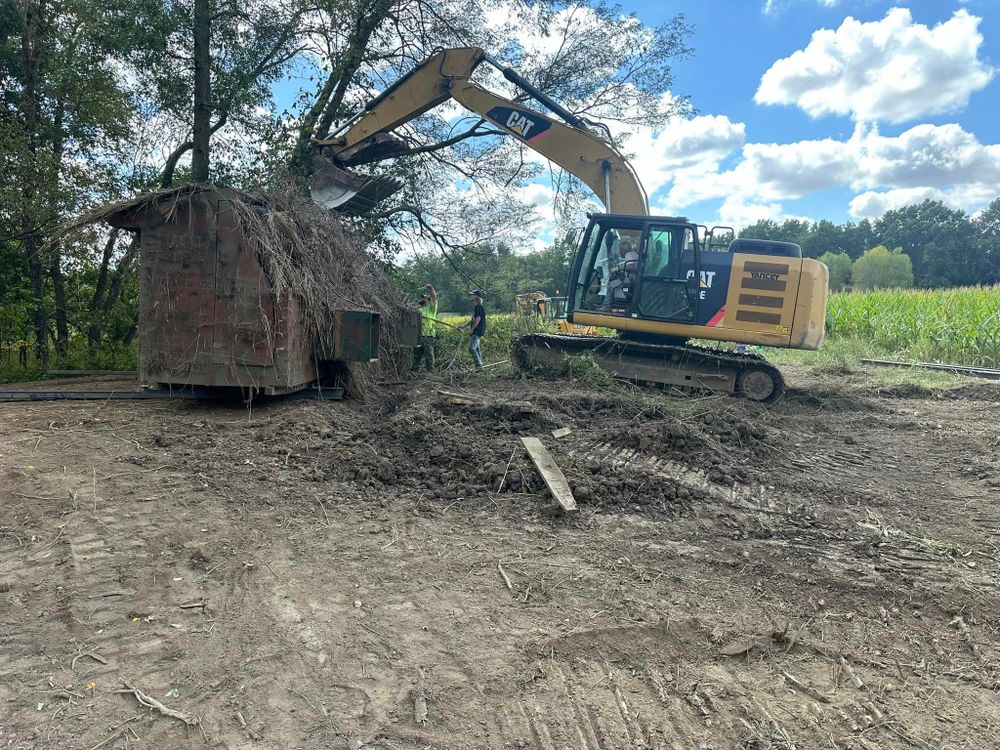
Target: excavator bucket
x: 348, y: 192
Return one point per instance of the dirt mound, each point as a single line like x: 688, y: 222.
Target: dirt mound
x: 904, y: 391
x: 976, y: 392
x: 829, y: 399
x: 318, y: 575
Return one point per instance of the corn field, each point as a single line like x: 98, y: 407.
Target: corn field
x: 957, y: 326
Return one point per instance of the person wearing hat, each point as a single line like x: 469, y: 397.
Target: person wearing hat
x: 477, y: 327
x: 428, y: 328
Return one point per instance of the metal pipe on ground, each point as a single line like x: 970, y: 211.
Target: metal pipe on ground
x: 978, y: 372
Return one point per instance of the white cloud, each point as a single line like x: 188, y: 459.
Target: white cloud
x: 925, y: 155
x: 940, y: 162
x: 771, y: 172
x: 873, y: 203
x: 700, y: 142
x: 735, y: 212
x: 893, y: 69
x: 773, y: 7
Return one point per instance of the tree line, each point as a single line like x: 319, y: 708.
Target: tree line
x: 500, y: 272
x: 924, y: 244
x: 101, y: 100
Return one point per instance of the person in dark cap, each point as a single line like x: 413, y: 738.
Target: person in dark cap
x: 477, y: 327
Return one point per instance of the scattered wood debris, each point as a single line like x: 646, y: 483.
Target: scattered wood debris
x: 506, y: 578
x: 420, y: 701
x: 149, y: 702
x: 555, y: 480
x: 458, y: 399
x: 92, y: 654
x: 803, y: 688
x: 562, y: 432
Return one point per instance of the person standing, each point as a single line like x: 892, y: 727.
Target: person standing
x: 477, y: 327
x: 428, y: 328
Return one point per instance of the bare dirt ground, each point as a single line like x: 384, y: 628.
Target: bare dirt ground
x: 822, y: 573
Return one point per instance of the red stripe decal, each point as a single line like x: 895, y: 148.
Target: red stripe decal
x: 717, y: 318
x: 539, y: 136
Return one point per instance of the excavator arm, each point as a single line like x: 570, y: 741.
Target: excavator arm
x: 366, y: 137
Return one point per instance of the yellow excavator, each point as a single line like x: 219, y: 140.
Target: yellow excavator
x: 660, y: 281
x: 551, y: 310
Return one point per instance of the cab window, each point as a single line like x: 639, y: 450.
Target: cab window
x: 610, y: 273
x: 670, y: 260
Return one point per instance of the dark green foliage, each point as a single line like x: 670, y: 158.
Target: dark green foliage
x: 915, y: 227
x: 840, y: 270
x: 945, y: 247
x: 500, y: 272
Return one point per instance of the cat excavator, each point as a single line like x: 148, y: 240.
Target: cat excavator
x: 659, y: 281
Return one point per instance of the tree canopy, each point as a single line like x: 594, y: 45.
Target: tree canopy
x: 882, y: 268
x: 945, y: 246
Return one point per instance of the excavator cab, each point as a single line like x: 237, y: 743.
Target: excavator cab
x: 640, y: 267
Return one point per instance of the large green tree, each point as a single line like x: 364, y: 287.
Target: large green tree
x: 205, y: 69
x: 882, y: 268
x: 63, y: 108
x: 461, y: 178
x: 987, y: 225
x: 840, y: 270
x: 949, y: 230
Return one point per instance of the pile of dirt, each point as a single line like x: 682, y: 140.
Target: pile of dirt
x: 617, y: 459
x: 447, y: 452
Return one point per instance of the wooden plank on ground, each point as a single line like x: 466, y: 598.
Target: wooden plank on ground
x: 555, y: 480
x: 561, y: 432
x: 458, y: 399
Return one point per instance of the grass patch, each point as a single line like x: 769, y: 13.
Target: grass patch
x: 79, y: 358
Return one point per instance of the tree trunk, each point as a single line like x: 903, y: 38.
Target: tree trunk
x: 59, y: 287
x: 30, y: 241
x: 96, y: 328
x: 331, y: 97
x: 40, y: 318
x: 202, y: 130
x: 116, y: 281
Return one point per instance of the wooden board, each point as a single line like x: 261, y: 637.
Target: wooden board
x: 561, y: 432
x: 555, y: 480
x: 458, y: 399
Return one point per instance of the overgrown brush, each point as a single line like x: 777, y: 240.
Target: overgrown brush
x: 502, y: 330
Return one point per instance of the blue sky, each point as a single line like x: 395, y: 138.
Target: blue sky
x: 737, y: 42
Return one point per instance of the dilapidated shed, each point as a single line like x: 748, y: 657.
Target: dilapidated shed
x: 266, y: 294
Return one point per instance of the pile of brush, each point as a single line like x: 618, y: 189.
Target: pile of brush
x: 307, y: 251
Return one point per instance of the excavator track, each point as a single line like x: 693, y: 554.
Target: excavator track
x: 684, y: 366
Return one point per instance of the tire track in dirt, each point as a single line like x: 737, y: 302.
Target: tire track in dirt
x: 93, y: 614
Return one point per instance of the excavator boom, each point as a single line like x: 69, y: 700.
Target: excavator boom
x: 447, y: 75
